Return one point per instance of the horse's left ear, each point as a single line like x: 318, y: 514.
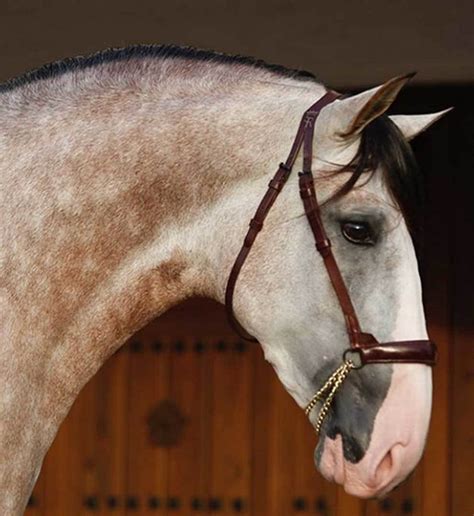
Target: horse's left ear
x: 413, y: 125
x: 351, y: 114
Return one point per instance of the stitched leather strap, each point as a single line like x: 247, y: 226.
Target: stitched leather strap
x: 256, y: 224
x: 402, y: 351
x: 323, y: 246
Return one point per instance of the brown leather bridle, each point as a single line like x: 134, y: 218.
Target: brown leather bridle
x: 365, y: 345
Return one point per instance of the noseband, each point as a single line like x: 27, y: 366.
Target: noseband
x: 363, y: 345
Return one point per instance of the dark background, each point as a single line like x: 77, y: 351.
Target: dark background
x: 97, y: 464
x: 346, y: 43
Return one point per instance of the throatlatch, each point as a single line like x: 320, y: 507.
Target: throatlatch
x: 365, y: 345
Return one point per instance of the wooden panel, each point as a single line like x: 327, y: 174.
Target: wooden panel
x: 112, y: 432
x: 70, y: 470
x: 36, y: 501
x: 311, y: 491
x: 286, y: 481
x: 147, y: 474
x: 263, y: 499
x: 283, y: 466
x: 231, y: 428
x: 347, y: 504
x: 188, y: 461
x: 376, y: 507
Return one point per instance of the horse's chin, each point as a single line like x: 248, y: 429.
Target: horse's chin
x: 331, y: 464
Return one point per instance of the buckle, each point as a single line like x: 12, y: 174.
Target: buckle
x: 350, y: 354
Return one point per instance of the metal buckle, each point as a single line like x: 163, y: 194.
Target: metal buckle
x: 348, y: 356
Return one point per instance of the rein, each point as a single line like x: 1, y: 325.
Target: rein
x: 363, y: 345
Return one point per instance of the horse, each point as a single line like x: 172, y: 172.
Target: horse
x: 127, y: 181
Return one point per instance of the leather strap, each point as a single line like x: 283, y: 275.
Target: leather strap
x: 255, y: 226
x: 275, y: 186
x: 323, y: 246
x: 400, y: 352
x: 365, y: 344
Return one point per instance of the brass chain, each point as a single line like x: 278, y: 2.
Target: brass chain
x: 327, y: 392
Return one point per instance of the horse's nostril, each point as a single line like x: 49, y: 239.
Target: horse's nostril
x: 384, y: 469
x: 353, y: 451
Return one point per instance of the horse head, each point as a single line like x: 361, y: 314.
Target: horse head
x: 374, y: 429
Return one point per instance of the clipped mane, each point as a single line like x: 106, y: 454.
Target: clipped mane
x: 71, y: 64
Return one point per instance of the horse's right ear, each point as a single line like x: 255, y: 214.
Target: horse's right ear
x: 413, y: 125
x: 352, y: 114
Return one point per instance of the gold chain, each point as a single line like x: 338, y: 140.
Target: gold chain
x: 327, y: 392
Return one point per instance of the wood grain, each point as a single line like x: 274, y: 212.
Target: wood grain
x: 231, y: 431
x: 188, y: 461
x: 112, y: 433
x: 147, y: 472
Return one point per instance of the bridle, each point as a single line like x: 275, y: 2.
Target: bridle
x: 365, y: 345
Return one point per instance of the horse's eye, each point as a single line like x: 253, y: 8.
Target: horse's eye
x: 357, y: 232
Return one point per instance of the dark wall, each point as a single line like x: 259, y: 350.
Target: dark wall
x: 446, y: 157
x: 345, y: 43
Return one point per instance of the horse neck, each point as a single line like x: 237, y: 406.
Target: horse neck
x: 132, y: 212
x: 116, y: 211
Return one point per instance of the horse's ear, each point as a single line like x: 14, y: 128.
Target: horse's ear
x: 356, y: 112
x: 413, y: 125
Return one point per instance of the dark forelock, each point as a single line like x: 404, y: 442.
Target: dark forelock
x: 383, y: 147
